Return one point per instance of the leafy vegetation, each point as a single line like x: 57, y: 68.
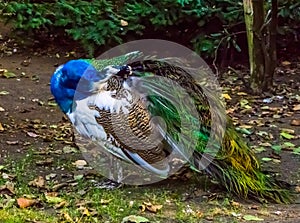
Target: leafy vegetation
x: 203, y: 25
x: 37, y: 163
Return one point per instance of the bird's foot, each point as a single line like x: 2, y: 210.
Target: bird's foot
x: 108, y: 184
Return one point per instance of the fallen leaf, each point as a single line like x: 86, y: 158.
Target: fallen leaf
x: 259, y: 149
x: 276, y: 148
x: 262, y: 133
x: 52, y: 198
x: 230, y: 110
x: 274, y: 109
x: 267, y: 144
x: 135, y: 219
x: 69, y: 149
x: 276, y: 160
x: 244, y: 131
x: 45, y: 162
x: 254, y: 207
x: 52, y: 104
x: 61, y: 205
x: 286, y: 135
x: 234, y: 214
x: 288, y: 145
x: 67, y: 217
x: 252, y: 218
x: 32, y: 134
x: 276, y: 116
x: 242, y: 94
x: 265, y: 107
x: 286, y: 63
x: 59, y: 186
x: 278, y: 212
x: 8, y: 176
x: 226, y: 96
x: 244, y: 103
x: 266, y: 159
x: 25, y: 202
x: 39, y: 182
x: 235, y: 204
x: 52, y: 194
x: 8, y: 188
x: 7, y: 203
x: 199, y: 214
x: 50, y: 176
x: 105, y: 201
x: 296, y: 107
x: 8, y: 74
x: 26, y: 63
x: 78, y: 176
x: 150, y: 207
x: 1, y: 128
x: 268, y: 100
x: 246, y: 126
x: 290, y: 131
x: 35, y: 77
x: 12, y: 142
x: 123, y: 22
x: 80, y: 163
x: 296, y: 151
x: 84, y: 211
x: 295, y: 122
x: 4, y: 92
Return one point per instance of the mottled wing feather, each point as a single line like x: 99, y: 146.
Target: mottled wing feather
x: 133, y: 133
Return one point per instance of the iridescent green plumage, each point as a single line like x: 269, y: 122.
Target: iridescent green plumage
x: 231, y: 161
x: 99, y: 64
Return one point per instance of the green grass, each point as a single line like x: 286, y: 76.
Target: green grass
x: 16, y: 215
x: 84, y: 202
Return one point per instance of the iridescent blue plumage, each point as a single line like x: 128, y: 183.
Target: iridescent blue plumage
x: 65, y: 80
x: 77, y: 76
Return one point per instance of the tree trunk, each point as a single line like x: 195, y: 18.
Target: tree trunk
x: 257, y: 77
x: 262, y: 49
x: 248, y: 15
x: 270, y: 65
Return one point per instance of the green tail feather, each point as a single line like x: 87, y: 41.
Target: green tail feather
x: 255, y: 184
x: 238, y: 170
x: 234, y: 165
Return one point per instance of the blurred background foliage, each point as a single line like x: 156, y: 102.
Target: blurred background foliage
x: 208, y: 27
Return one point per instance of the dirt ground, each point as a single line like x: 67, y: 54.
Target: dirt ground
x: 29, y: 119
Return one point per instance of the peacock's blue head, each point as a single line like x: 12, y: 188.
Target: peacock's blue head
x: 65, y: 81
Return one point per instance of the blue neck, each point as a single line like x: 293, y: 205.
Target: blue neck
x: 63, y: 96
x: 76, y: 76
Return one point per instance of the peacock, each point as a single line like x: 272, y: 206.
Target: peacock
x: 116, y: 102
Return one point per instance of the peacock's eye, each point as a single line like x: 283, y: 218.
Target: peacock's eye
x: 125, y: 71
